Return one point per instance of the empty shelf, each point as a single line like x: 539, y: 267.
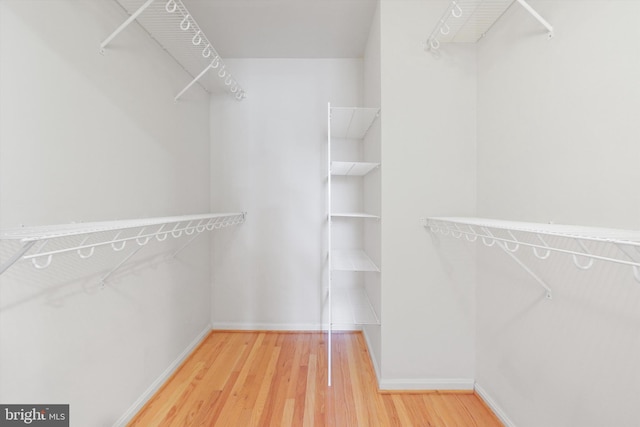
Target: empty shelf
x: 477, y: 17
x: 467, y: 21
x: 354, y: 215
x: 34, y: 239
x: 572, y: 231
x: 173, y: 27
x: 352, y: 168
x: 27, y: 234
x: 352, y: 306
x: 352, y: 260
x: 584, y: 244
x: 352, y: 122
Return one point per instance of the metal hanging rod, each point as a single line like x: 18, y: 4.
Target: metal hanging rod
x: 176, y: 31
x: 161, y: 228
x: 467, y: 21
x: 510, y: 236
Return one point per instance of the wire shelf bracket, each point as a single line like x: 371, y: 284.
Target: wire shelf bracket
x: 17, y: 256
x: 527, y: 269
x: 104, y: 278
x: 173, y: 27
x: 124, y: 25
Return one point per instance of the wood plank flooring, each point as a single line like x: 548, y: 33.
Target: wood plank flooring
x: 242, y: 379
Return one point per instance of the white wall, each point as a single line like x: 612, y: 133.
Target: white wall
x: 558, y: 135
x: 372, y: 186
x: 557, y: 119
x: 86, y: 137
x: 428, y: 156
x: 268, y: 157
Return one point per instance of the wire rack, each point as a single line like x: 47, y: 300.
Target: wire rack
x: 352, y: 260
x: 585, y: 244
x: 40, y: 244
x: 171, y: 25
x: 467, y: 21
x: 352, y: 306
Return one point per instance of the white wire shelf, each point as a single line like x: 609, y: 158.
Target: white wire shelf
x: 352, y: 260
x: 352, y: 306
x: 610, y: 235
x: 352, y: 168
x: 171, y: 25
x: 352, y: 122
x: 83, y: 238
x: 467, y: 21
x: 584, y: 244
x: 354, y: 215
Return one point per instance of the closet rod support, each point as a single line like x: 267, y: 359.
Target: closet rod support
x: 527, y: 269
x: 125, y: 24
x: 185, y: 245
x: 17, y: 256
x: 198, y: 77
x: 536, y: 15
x: 114, y: 269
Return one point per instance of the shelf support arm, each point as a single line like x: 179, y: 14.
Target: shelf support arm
x: 125, y: 24
x: 198, y: 77
x: 536, y: 15
x: 185, y: 245
x: 527, y: 269
x: 114, y: 269
x: 16, y: 257
x: 636, y: 269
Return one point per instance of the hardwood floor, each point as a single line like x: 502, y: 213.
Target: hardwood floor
x: 241, y: 379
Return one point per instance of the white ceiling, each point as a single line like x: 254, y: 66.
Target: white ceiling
x: 285, y: 28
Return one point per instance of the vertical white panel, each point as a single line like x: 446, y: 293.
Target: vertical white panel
x: 372, y: 189
x: 428, y: 165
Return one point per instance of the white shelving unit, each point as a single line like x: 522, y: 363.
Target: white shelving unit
x: 171, y: 25
x: 349, y: 306
x: 467, y: 21
x: 40, y: 244
x: 585, y: 244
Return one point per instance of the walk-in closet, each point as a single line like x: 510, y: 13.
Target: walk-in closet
x: 327, y: 212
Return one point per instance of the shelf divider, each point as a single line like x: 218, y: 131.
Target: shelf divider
x: 352, y: 168
x: 353, y: 306
x: 353, y: 215
x: 352, y: 260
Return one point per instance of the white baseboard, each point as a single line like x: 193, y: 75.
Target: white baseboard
x: 245, y: 326
x: 372, y: 355
x: 494, y: 406
x: 430, y: 384
x: 346, y: 327
x: 142, y: 400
